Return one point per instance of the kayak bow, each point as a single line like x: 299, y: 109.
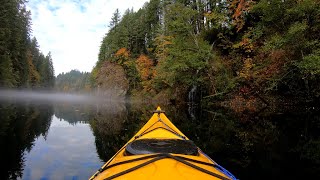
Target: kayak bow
x: 161, y: 151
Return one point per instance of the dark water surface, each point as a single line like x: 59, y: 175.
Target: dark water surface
x: 71, y: 141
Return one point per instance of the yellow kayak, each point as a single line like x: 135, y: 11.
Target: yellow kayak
x: 161, y: 151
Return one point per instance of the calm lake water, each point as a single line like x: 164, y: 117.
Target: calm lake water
x: 71, y: 141
x: 68, y: 151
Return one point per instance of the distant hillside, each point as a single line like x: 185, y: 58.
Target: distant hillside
x: 73, y: 81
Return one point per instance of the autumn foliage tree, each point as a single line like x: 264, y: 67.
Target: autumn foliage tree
x: 265, y: 46
x: 239, y: 10
x: 145, y: 67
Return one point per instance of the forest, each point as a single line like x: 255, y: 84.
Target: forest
x: 73, y: 81
x: 240, y: 50
x: 22, y: 64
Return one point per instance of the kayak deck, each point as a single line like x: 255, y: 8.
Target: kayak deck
x: 148, y: 155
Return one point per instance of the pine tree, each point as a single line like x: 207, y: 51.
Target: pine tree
x: 115, y: 19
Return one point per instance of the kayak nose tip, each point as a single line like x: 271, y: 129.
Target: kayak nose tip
x: 158, y: 111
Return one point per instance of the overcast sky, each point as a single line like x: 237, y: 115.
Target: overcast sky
x: 73, y: 29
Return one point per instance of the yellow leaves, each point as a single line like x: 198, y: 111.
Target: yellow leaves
x: 33, y: 75
x: 215, y: 16
x: 162, y: 43
x: 247, y: 43
x: 95, y: 71
x: 66, y: 88
x: 246, y: 69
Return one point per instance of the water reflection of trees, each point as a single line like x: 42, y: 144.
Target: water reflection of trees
x: 269, y: 146
x: 20, y: 125
x: 74, y: 113
x: 113, y: 125
x: 108, y: 129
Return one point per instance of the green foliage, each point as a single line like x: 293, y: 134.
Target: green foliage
x: 7, y: 77
x: 115, y: 19
x: 20, y: 126
x: 132, y: 74
x: 223, y: 79
x: 310, y: 65
x: 275, y: 42
x: 179, y: 20
x: 21, y: 62
x: 46, y: 72
x: 73, y: 81
x: 266, y: 45
x: 185, y: 62
x: 134, y: 32
x: 187, y: 54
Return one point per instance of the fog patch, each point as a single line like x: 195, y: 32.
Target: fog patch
x: 54, y: 97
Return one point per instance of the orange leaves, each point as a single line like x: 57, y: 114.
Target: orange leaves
x: 122, y: 56
x: 265, y: 68
x: 276, y: 61
x: 247, y: 45
x: 146, y: 70
x: 122, y: 52
x: 277, y: 55
x: 144, y: 65
x: 241, y: 103
x: 239, y: 8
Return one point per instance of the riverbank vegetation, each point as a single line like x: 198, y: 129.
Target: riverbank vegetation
x: 22, y: 64
x: 241, y: 50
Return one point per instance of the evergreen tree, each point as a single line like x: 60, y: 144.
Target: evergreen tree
x: 115, y: 19
x: 180, y: 39
x: 73, y: 81
x: 21, y: 62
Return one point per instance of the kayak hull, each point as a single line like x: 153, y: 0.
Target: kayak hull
x: 159, y: 165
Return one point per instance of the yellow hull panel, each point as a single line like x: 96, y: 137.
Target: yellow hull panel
x: 169, y: 167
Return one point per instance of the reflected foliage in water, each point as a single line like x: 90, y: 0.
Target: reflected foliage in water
x: 19, y: 126
x: 112, y: 128
x: 272, y: 145
x: 268, y: 145
x: 74, y: 113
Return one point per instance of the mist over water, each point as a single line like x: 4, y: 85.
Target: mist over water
x: 58, y: 97
x: 52, y: 135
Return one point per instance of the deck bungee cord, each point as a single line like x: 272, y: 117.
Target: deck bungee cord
x: 157, y: 157
x: 159, y: 120
x: 153, y: 145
